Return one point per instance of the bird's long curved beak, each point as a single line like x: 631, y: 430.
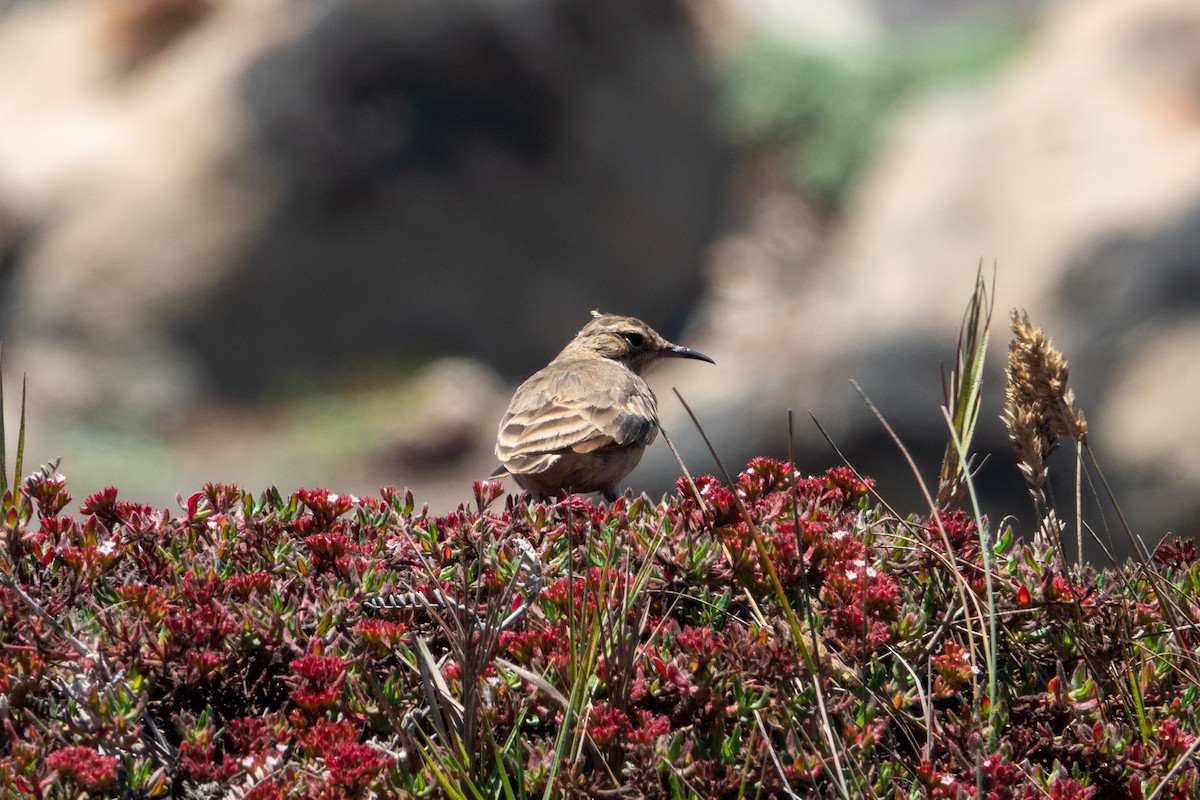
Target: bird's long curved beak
x: 679, y: 351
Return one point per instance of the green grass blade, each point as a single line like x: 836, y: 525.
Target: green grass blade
x: 963, y: 393
x: 19, y: 464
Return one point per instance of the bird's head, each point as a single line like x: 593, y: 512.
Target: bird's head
x: 627, y: 340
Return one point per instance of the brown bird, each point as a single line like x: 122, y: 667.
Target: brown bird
x: 582, y: 422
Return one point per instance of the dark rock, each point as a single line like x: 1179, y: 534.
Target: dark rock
x: 471, y: 178
x: 268, y: 194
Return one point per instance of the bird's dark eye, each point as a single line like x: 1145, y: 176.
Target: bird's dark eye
x: 635, y: 339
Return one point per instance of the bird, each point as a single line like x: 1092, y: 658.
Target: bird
x: 580, y: 423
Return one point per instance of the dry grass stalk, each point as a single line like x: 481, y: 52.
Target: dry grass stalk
x: 1039, y: 410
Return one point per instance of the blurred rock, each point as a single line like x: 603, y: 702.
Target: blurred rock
x: 120, y: 155
x: 491, y: 171
x: 1132, y: 303
x: 142, y: 29
x: 452, y: 411
x: 843, y: 29
x: 230, y: 197
x: 1077, y: 170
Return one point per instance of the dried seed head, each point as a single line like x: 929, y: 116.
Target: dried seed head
x: 1037, y: 382
x: 1039, y: 409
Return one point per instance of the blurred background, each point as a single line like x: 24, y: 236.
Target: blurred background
x: 317, y: 243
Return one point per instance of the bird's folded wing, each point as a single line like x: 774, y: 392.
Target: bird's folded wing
x: 582, y: 413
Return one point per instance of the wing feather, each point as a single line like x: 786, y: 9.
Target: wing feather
x: 581, y: 406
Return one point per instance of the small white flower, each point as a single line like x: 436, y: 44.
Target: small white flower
x: 851, y: 575
x: 872, y: 572
x: 840, y: 534
x: 108, y: 548
x: 333, y: 498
